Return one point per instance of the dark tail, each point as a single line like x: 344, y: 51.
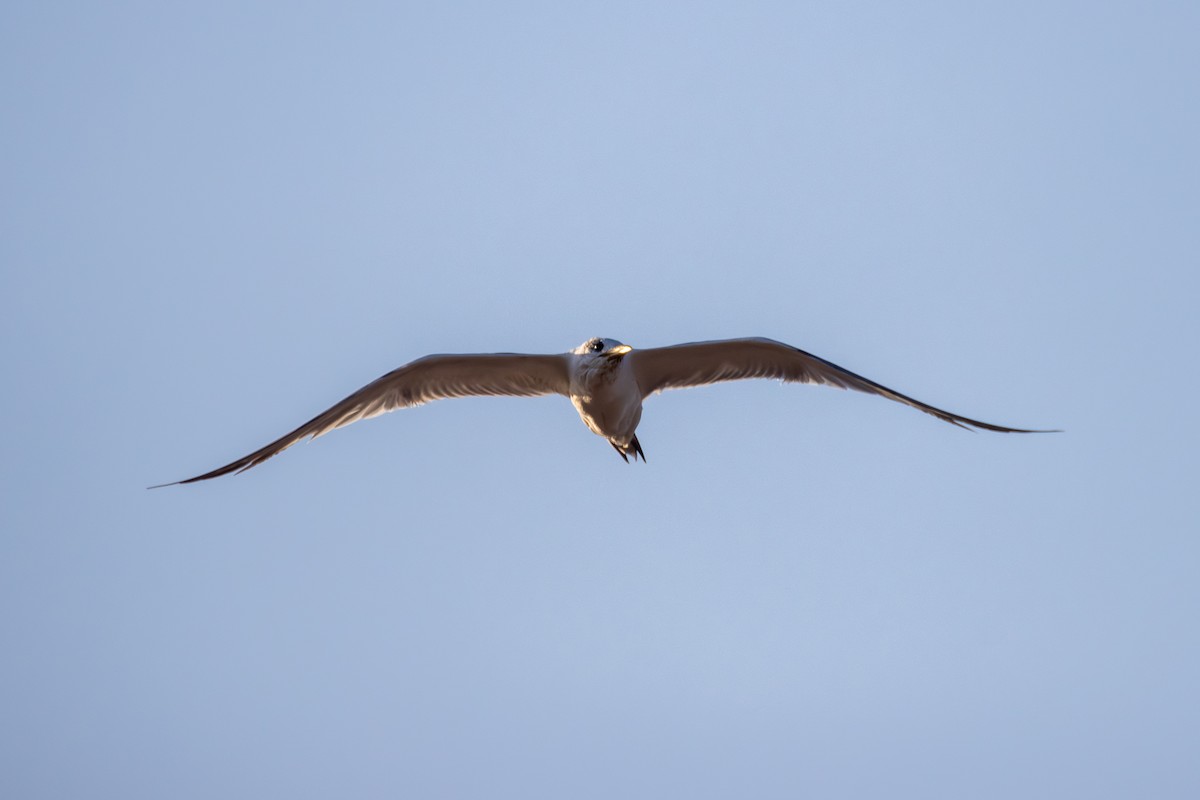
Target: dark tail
x: 634, y: 448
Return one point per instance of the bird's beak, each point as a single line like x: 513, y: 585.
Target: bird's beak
x: 620, y: 350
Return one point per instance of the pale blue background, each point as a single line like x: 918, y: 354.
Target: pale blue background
x: 219, y: 219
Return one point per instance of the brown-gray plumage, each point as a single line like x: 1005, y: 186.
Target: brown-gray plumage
x: 605, y: 380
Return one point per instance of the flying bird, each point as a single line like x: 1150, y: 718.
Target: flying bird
x: 605, y: 380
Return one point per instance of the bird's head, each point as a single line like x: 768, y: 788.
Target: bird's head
x: 608, y: 348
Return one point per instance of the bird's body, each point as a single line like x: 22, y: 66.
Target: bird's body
x: 605, y: 393
x: 605, y: 380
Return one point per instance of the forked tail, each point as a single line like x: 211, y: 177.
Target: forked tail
x: 634, y: 448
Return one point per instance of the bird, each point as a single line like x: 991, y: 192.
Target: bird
x: 606, y: 380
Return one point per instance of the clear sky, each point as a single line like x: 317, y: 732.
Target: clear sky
x: 217, y: 220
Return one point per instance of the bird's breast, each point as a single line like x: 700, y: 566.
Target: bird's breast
x: 608, y: 400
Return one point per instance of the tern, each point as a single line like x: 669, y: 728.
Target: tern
x: 605, y: 380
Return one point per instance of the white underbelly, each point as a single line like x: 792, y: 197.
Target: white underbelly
x: 612, y: 409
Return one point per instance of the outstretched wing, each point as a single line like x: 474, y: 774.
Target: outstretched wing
x: 429, y: 378
x: 701, y: 363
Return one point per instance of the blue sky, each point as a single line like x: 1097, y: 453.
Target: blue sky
x: 218, y: 220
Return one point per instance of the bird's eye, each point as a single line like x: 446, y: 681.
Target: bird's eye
x: 597, y: 347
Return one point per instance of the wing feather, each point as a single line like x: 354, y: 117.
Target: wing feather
x: 700, y: 363
x: 430, y: 378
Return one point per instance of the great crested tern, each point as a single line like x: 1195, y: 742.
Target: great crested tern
x: 605, y: 380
